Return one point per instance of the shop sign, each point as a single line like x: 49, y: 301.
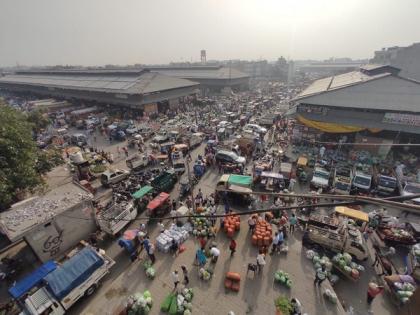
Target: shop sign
x: 402, y: 119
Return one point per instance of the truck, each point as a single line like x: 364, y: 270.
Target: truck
x: 342, y: 180
x: 385, y: 180
x: 165, y: 181
x: 53, y: 288
x: 320, y: 178
x: 137, y: 161
x: 115, y: 216
x: 235, y: 187
x: 343, y: 238
x: 362, y: 180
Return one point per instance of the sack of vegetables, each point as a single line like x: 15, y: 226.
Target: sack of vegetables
x: 283, y: 278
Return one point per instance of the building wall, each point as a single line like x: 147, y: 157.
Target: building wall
x: 51, y: 240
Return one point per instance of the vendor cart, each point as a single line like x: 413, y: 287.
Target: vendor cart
x: 342, y: 272
x: 159, y: 206
x: 392, y: 236
x: 199, y: 168
x: 272, y: 181
x: 129, y: 242
x: 185, y: 187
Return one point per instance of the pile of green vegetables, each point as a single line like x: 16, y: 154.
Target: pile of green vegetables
x: 150, y: 271
x: 345, y: 263
x: 178, y: 303
x: 283, y: 305
x: 283, y: 278
x: 139, y: 304
x: 201, y: 227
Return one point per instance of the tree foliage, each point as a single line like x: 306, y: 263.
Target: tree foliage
x: 18, y: 156
x: 39, y: 120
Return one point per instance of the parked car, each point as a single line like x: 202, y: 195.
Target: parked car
x: 78, y: 139
x: 223, y: 156
x: 113, y: 177
x: 132, y: 130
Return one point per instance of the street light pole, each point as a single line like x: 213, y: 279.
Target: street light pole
x: 189, y: 181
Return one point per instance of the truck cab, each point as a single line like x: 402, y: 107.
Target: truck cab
x: 362, y: 181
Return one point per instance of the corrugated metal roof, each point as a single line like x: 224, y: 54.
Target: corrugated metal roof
x: 338, y: 82
x: 201, y: 72
x: 125, y: 83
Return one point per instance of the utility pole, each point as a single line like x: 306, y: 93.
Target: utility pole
x: 189, y: 181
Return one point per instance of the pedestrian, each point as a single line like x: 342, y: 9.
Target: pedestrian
x: 320, y: 276
x: 251, y: 223
x: 175, y: 278
x: 174, y: 248
x: 275, y: 243
x: 125, y: 151
x: 227, y: 207
x: 373, y: 291
x: 173, y: 204
x: 118, y: 151
x: 292, y: 184
x: 215, y: 253
x: 203, y: 242
x: 161, y: 226
x: 212, y: 219
x: 292, y: 223
x: 296, y: 306
x: 173, y: 215
x: 200, y: 195
x: 260, y: 261
x: 232, y: 247
x: 151, y: 253
x: 185, y: 273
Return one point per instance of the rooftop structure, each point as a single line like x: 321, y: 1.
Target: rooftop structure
x: 374, y: 97
x: 126, y: 87
x: 29, y: 213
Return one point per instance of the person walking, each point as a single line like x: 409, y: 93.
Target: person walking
x: 292, y: 223
x: 161, y: 226
x: 215, y: 253
x: 175, y: 278
x: 185, y: 273
x: 260, y: 261
x: 320, y: 276
x: 251, y: 223
x: 125, y: 151
x: 296, y: 306
x: 373, y: 291
x: 151, y: 253
x: 232, y: 247
x: 118, y: 151
x: 275, y: 243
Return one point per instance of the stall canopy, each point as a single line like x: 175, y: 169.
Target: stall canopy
x: 32, y: 280
x: 332, y: 127
x: 158, y: 201
x: 352, y: 213
x: 142, y: 192
x: 73, y: 272
x: 240, y: 180
x: 272, y: 175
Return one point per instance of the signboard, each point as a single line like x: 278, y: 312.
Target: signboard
x: 402, y: 119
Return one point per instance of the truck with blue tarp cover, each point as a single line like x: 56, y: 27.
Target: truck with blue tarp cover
x: 53, y: 288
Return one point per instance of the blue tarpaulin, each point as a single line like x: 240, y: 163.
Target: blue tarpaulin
x: 30, y: 281
x: 73, y: 272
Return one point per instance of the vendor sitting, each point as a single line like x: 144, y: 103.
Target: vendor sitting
x: 215, y: 253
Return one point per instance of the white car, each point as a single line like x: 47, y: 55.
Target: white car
x: 255, y: 128
x: 320, y: 178
x: 229, y: 157
x: 412, y: 189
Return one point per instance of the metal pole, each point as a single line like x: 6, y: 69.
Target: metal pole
x: 189, y: 181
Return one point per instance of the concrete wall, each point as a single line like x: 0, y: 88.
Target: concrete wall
x: 53, y: 239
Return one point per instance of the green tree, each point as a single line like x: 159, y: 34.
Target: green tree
x: 18, y: 156
x: 39, y: 120
x: 48, y: 159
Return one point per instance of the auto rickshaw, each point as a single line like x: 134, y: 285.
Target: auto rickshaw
x: 141, y: 198
x: 159, y: 206
x: 185, y: 187
x: 302, y: 163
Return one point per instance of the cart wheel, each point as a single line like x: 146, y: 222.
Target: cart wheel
x: 91, y: 290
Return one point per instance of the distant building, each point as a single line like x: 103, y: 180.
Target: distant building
x: 405, y: 58
x: 212, y: 79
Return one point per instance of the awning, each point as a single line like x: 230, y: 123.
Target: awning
x: 30, y: 281
x: 352, y: 213
x: 271, y: 175
x: 158, y: 201
x: 240, y: 180
x: 142, y: 192
x: 332, y: 127
x: 240, y: 189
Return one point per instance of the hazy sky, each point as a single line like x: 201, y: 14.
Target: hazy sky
x: 98, y: 32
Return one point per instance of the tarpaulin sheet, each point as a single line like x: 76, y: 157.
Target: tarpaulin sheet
x: 73, y: 272
x: 240, y: 180
x: 142, y: 192
x: 30, y: 281
x: 332, y: 127
x: 158, y: 201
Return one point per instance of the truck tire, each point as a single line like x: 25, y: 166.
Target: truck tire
x: 91, y: 290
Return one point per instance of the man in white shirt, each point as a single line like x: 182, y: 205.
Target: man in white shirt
x: 215, y: 252
x: 175, y: 278
x: 260, y: 262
